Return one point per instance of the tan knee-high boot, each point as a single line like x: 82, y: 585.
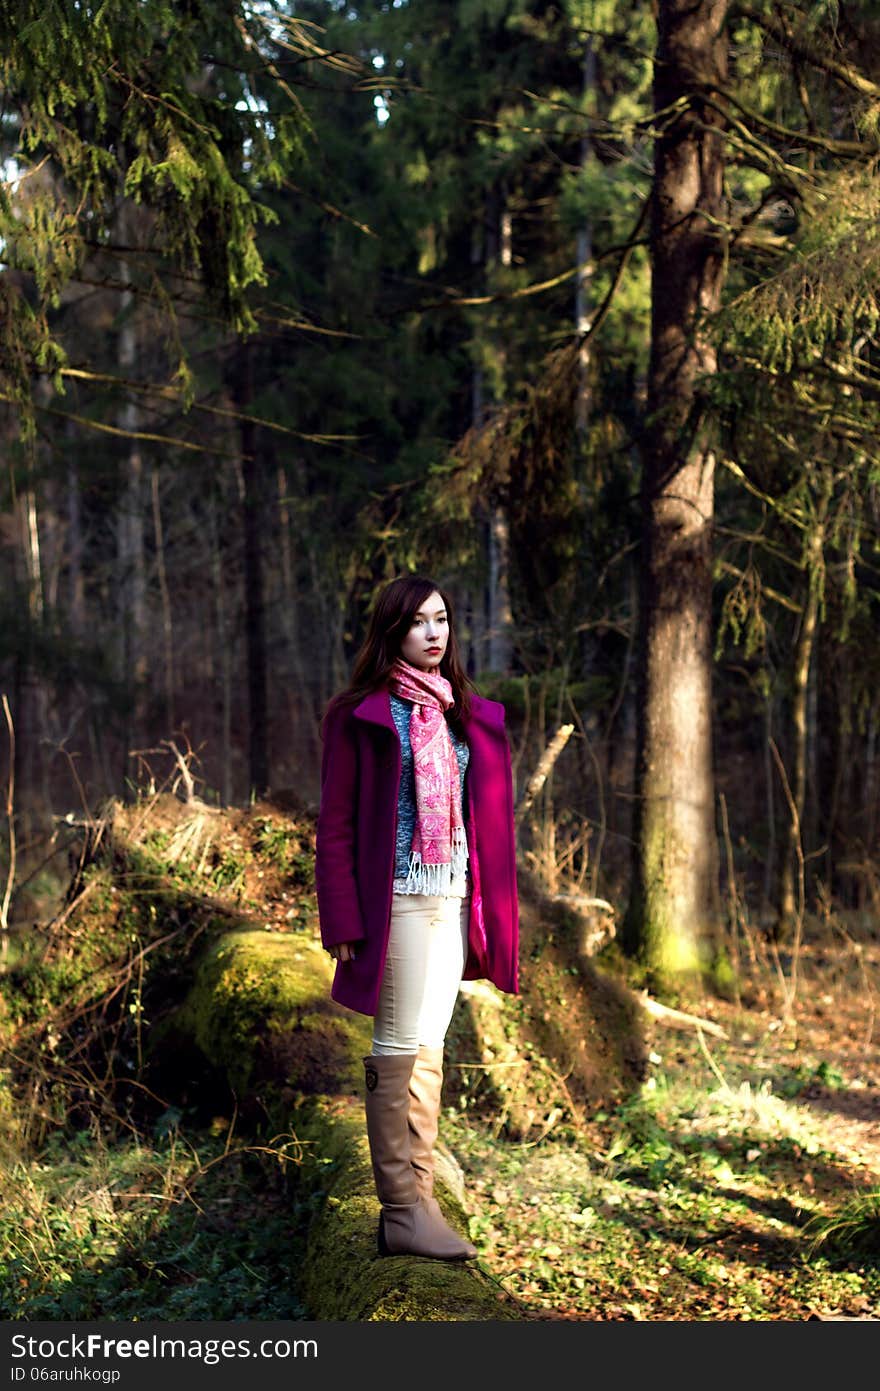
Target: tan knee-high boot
x: 425, y: 1086
x: 407, y: 1226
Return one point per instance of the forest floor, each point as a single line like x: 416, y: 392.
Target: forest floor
x: 740, y: 1181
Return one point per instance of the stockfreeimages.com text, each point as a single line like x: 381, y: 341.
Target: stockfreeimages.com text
x: 207, y: 1350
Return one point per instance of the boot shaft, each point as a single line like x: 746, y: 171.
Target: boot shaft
x: 386, y: 1103
x: 411, y: 1223
x: 425, y: 1087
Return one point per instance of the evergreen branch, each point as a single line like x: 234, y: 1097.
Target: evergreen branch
x: 304, y: 326
x: 804, y: 97
x: 727, y: 568
x: 767, y: 498
x: 624, y: 249
x: 152, y: 437
x: 305, y: 46
x: 109, y: 282
x: 827, y: 371
x: 772, y: 289
x: 146, y: 435
x: 185, y: 307
x: 798, y: 46
x: 496, y: 449
x: 521, y: 293
x: 633, y: 241
x: 155, y: 99
x: 749, y: 238
x: 329, y: 208
x: 833, y: 423
x: 170, y: 393
x: 23, y: 174
x: 738, y: 133
x: 598, y: 127
x: 285, y: 87
x: 843, y: 149
x: 757, y: 538
x: 824, y: 372
x: 191, y: 306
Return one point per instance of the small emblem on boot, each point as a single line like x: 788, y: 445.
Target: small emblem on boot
x: 372, y: 1078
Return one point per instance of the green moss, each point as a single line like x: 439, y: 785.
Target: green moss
x: 723, y: 976
x: 659, y: 928
x: 343, y: 1277
x: 260, y: 1010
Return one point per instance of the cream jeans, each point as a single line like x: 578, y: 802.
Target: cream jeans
x: 427, y: 948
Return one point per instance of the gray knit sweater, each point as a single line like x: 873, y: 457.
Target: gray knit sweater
x: 406, y: 803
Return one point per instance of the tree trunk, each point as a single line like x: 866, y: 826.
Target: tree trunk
x: 583, y: 307
x: 769, y: 786
x: 477, y: 640
x: 673, y: 911
x: 799, y: 712
x: 492, y: 633
x: 76, y: 608
x: 32, y: 807
x: 167, y: 621
x: 812, y: 828
x: 500, y: 615
x: 255, y: 607
x: 225, y: 643
x: 839, y: 795
x: 307, y: 744
x: 867, y: 822
x: 131, y: 587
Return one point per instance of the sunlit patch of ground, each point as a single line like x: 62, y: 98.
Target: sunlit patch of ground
x: 699, y: 1197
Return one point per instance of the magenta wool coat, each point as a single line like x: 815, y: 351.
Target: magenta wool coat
x: 357, y: 827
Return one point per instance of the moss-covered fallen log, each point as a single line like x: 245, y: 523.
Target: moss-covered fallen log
x: 343, y: 1277
x: 259, y: 1011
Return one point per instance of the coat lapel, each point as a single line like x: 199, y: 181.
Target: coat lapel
x: 375, y: 708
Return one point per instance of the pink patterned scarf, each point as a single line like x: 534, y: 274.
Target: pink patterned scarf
x: 439, y: 843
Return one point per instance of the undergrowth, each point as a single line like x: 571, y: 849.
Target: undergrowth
x: 101, y: 1226
x: 686, y: 1202
x: 119, y: 1202
x: 715, y: 1190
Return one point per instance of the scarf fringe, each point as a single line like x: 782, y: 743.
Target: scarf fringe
x: 436, y: 879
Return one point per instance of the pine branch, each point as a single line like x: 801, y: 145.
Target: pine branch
x: 799, y: 46
x: 329, y: 208
x: 147, y: 435
x: 843, y: 149
x: 727, y: 568
x: 170, y: 393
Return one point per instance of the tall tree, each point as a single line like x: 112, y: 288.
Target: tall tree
x: 673, y: 897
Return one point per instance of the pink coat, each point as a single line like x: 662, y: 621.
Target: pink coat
x: 354, y: 861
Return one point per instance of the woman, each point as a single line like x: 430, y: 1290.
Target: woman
x: 416, y: 880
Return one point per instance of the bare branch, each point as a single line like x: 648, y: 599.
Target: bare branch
x: 677, y: 1017
x: 541, y: 773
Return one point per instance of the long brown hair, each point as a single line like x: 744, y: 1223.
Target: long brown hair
x: 390, y: 620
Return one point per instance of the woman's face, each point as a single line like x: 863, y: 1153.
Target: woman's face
x: 425, y: 643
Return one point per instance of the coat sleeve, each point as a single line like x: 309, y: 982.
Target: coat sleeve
x: 339, y: 910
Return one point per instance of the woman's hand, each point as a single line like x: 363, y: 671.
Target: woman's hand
x: 344, y: 951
